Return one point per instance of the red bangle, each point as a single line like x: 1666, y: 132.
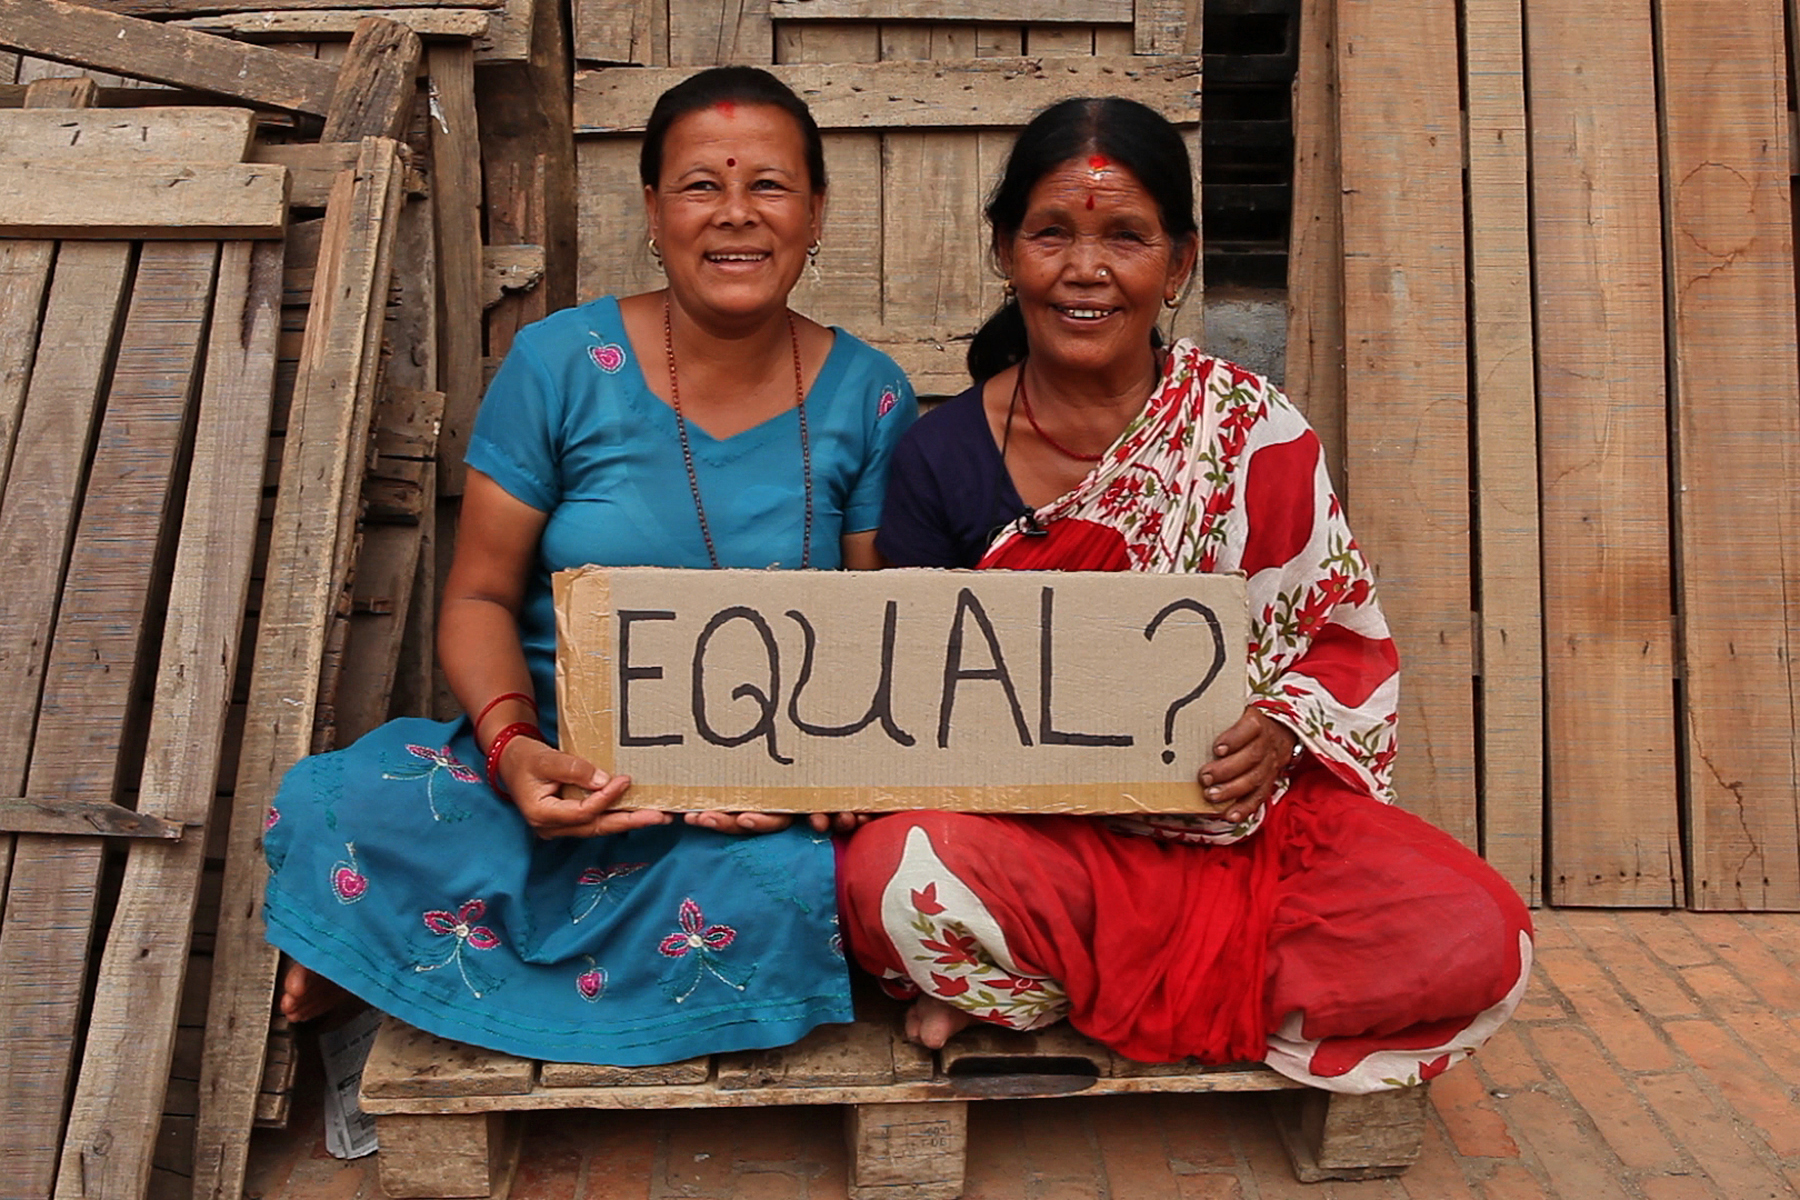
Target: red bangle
x: 499, y: 700
x: 501, y: 739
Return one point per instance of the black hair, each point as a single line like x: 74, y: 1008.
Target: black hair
x: 728, y: 85
x: 1133, y: 135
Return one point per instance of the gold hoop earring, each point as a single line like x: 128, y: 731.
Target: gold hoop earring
x: 812, y: 252
x: 656, y: 253
x: 1008, y: 293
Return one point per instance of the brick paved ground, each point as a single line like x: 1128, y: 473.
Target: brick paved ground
x: 1657, y: 1057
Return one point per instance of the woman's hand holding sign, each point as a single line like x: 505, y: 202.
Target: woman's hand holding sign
x: 536, y: 774
x: 1247, y: 760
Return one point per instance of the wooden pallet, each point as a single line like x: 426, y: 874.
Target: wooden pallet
x: 449, y: 1115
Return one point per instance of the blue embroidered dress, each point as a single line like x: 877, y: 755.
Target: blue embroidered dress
x: 397, y: 872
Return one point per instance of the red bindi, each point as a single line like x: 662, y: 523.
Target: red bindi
x: 727, y: 108
x: 731, y: 162
x: 1098, y: 162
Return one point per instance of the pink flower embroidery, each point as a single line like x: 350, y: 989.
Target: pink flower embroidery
x: 696, y: 934
x: 435, y: 760
x: 271, y: 819
x: 699, y: 944
x: 888, y: 402
x: 609, y: 357
x: 598, y: 883
x: 347, y: 882
x: 590, y: 985
x: 460, y: 926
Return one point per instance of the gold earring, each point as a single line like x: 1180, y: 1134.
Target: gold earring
x: 1171, y: 302
x: 1008, y: 292
x: 656, y: 252
x: 812, y: 252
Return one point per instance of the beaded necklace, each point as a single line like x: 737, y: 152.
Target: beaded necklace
x: 687, y: 452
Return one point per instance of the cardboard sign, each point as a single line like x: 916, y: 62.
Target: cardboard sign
x: 873, y: 691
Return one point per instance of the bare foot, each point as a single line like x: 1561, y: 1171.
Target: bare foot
x: 307, y: 994
x: 930, y: 1022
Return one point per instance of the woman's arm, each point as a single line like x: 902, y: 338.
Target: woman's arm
x: 478, y: 645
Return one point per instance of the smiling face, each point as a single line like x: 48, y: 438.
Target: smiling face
x: 734, y: 211
x: 1092, y: 265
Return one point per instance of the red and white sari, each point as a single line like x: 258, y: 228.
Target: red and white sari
x: 1339, y: 939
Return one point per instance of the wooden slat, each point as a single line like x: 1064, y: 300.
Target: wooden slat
x: 1505, y: 411
x: 195, y: 8
x: 85, y: 818
x: 528, y: 173
x: 1597, y: 236
x: 456, y: 190
x: 375, y: 89
x: 326, y: 432
x: 90, y: 681
x: 414, y: 675
x: 803, y: 42
x: 77, y: 91
x: 194, y: 134
x: 313, y: 167
x: 1084, y: 12
x: 991, y: 92
x: 24, y: 274
x: 1406, y: 403
x: 107, y: 1150
x: 618, y: 31
x: 1060, y: 41
x: 457, y: 23
x: 37, y: 512
x: 855, y: 1055
x: 1314, y: 375
x: 74, y: 33
x: 508, y: 269
x: 1171, y: 26
x: 406, y: 425
x: 1730, y: 255
x: 706, y: 33
x: 691, y: 1070
x: 408, y: 1063
x: 70, y: 199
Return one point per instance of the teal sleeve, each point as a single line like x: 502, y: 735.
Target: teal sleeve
x: 862, y: 512
x: 517, y: 430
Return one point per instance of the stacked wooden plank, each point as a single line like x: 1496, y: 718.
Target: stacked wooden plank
x: 918, y: 104
x: 1566, y: 414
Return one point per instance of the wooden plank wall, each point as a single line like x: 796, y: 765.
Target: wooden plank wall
x: 1571, y: 430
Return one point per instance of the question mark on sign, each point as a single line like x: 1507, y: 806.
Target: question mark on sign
x: 1212, y: 672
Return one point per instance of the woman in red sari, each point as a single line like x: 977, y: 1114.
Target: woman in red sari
x: 1303, y: 921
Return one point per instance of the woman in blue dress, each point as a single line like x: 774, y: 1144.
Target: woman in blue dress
x: 435, y: 869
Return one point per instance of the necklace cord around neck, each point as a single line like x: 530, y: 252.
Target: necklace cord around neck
x: 687, y: 450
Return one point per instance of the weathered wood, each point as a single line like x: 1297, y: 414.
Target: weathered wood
x: 456, y: 190
x: 24, y: 274
x: 617, y: 31
x: 408, y: 1063
x: 313, y: 167
x: 1170, y: 26
x: 89, y: 684
x: 528, y: 172
x: 1332, y: 1135
x: 64, y: 198
x: 326, y: 432
x: 189, y: 135
x: 415, y: 673
x: 375, y: 89
x: 267, y: 26
x: 509, y: 269
x: 806, y: 42
x: 84, y: 36
x: 1314, y: 373
x: 79, y: 91
x: 1084, y: 12
x: 37, y: 511
x: 615, y: 260
x: 907, y: 1151
x: 1406, y: 404
x: 478, y: 1160
x: 131, y: 1032
x: 692, y: 1070
x: 406, y: 425
x: 80, y: 818
x: 1730, y: 256
x: 854, y: 1055
x: 904, y: 95
x: 1504, y: 400
x: 705, y: 33
x: 194, y: 8
x: 1602, y: 456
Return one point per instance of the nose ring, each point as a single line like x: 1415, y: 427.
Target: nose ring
x: 1104, y: 273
